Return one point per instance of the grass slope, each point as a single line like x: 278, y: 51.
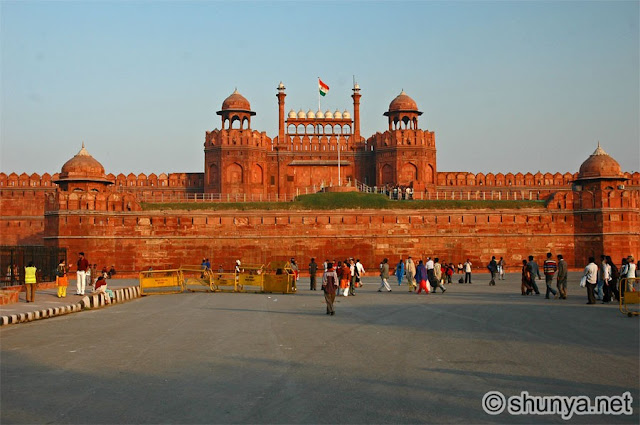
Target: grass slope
x: 349, y: 200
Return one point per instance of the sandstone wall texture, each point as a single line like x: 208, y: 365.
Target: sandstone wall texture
x: 138, y: 240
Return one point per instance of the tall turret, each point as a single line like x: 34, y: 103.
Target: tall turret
x: 356, y: 112
x: 281, y: 95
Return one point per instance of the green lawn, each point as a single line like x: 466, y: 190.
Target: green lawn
x: 349, y: 200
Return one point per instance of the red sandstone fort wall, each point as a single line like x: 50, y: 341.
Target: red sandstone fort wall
x: 138, y: 240
x: 22, y: 216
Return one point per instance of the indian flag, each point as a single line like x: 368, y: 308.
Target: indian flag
x: 324, y: 89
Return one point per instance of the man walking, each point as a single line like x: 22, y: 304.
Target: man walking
x: 399, y: 271
x: 384, y: 275
x: 493, y: 269
x: 535, y: 271
x: 591, y: 275
x: 313, y: 269
x: 329, y: 286
x: 501, y: 269
x: 437, y: 275
x: 550, y: 267
x: 430, y: 265
x: 360, y: 270
x: 562, y: 277
x: 601, y: 278
x: 467, y: 271
x: 81, y: 274
x: 354, y: 275
x: 410, y: 269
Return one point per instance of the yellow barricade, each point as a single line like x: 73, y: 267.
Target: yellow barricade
x: 160, y: 282
x: 250, y: 282
x: 629, y: 295
x: 279, y: 277
x: 195, y: 279
x: 223, y: 282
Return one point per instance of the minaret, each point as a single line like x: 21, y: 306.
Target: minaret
x: 281, y: 95
x: 356, y: 113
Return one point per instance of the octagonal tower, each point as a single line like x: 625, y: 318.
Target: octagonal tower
x: 404, y: 154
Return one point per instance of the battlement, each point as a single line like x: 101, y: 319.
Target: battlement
x: 245, y: 138
x: 528, y: 180
x: 74, y: 201
x: 402, y: 138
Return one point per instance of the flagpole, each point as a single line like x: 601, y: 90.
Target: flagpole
x: 319, y: 94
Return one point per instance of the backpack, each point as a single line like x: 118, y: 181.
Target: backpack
x: 60, y: 271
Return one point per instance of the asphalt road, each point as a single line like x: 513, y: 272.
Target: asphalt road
x: 272, y: 358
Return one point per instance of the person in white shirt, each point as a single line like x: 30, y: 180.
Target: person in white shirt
x: 591, y: 274
x: 410, y: 270
x: 360, y: 268
x: 467, y: 271
x: 631, y: 267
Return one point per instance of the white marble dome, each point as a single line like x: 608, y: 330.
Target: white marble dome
x: 346, y: 115
x: 292, y: 114
x: 328, y: 114
x: 311, y: 114
x: 319, y: 114
x: 337, y: 115
x: 302, y: 114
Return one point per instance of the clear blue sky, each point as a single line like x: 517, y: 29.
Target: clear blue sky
x: 506, y: 86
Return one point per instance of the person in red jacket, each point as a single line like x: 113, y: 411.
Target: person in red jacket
x: 81, y: 274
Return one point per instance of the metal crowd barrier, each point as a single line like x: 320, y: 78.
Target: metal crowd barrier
x: 276, y: 277
x: 630, y: 295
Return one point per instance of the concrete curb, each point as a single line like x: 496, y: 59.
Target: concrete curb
x: 89, y: 302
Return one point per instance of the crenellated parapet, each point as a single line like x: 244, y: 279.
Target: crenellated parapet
x: 240, y: 138
x: 590, y: 200
x: 24, y: 180
x: 528, y: 180
x: 181, y: 182
x: 402, y: 138
x: 90, y: 201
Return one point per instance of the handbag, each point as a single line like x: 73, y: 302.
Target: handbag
x: 583, y: 282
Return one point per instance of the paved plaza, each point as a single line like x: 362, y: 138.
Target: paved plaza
x: 271, y: 358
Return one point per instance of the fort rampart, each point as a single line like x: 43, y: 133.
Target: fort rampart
x: 135, y: 239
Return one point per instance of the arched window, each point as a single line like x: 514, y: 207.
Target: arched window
x: 234, y: 174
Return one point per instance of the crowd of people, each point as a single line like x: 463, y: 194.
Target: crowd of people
x: 87, y: 274
x: 398, y: 192
x: 603, y: 282
x: 342, y: 278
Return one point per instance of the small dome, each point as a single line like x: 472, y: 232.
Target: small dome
x: 302, y: 114
x: 292, y: 114
x: 328, y: 114
x: 319, y: 114
x: 311, y: 114
x: 599, y: 165
x: 236, y: 101
x: 346, y: 115
x: 403, y: 102
x: 337, y: 115
x: 82, y: 167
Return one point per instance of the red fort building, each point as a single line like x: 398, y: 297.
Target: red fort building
x: 118, y: 219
